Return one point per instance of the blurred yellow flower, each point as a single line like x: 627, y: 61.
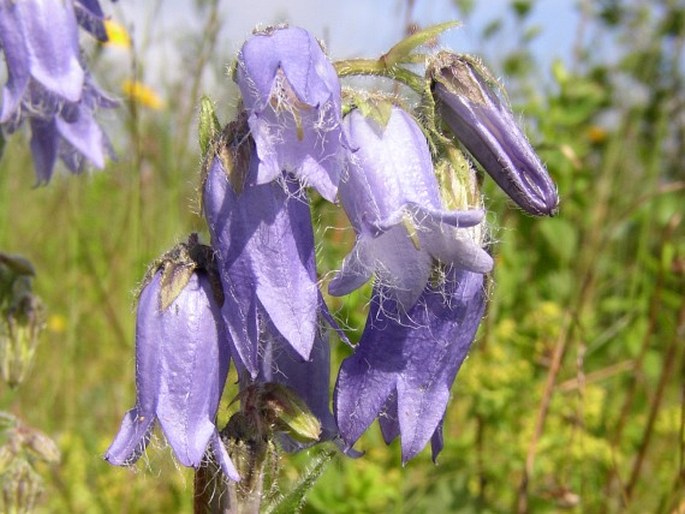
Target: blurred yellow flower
x: 117, y: 34
x: 142, y: 94
x: 57, y: 323
x: 597, y: 134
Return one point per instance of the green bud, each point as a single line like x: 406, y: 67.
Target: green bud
x: 21, y: 488
x: 209, y: 124
x: 22, y: 318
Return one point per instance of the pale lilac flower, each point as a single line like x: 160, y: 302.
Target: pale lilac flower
x: 484, y: 124
x: 40, y: 42
x: 48, y: 85
x: 182, y: 360
x: 292, y: 95
x: 391, y: 196
x: 264, y: 240
x: 73, y: 135
x: 405, y: 363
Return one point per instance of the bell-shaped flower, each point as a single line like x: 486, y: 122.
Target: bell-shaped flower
x: 48, y: 85
x: 73, y: 135
x: 264, y: 242
x: 182, y: 359
x: 406, y: 361
x: 391, y: 196
x: 309, y: 379
x: 292, y: 95
x: 484, y: 124
x: 40, y: 42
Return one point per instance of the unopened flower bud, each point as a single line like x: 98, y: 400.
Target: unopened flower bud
x: 484, y: 124
x: 21, y: 488
x: 21, y: 319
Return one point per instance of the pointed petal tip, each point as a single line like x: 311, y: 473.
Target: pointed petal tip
x: 131, y: 440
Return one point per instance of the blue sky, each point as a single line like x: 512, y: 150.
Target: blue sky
x: 351, y: 28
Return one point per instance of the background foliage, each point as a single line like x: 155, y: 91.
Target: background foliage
x: 572, y: 398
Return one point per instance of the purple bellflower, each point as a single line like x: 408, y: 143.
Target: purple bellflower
x: 392, y: 199
x: 292, y: 95
x: 484, y: 124
x: 91, y: 18
x: 405, y: 363
x: 48, y: 84
x: 182, y: 359
x: 264, y: 241
x: 309, y: 379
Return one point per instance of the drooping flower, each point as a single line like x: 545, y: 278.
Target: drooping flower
x: 73, y: 135
x: 48, y: 85
x: 391, y: 196
x: 40, y: 42
x: 484, y: 124
x: 292, y: 95
x: 309, y: 379
x: 182, y: 359
x: 405, y: 363
x: 264, y: 240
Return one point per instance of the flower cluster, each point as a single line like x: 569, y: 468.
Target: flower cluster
x: 48, y: 83
x: 253, y: 296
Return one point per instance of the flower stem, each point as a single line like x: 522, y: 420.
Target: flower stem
x: 380, y: 68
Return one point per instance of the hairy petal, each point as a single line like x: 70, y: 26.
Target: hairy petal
x: 484, y: 124
x: 406, y: 362
x: 193, y: 366
x: 265, y: 245
x: 292, y: 95
x: 391, y: 196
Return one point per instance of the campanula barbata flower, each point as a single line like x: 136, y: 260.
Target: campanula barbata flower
x: 48, y: 84
x: 309, y: 379
x: 264, y: 243
x: 391, y: 196
x: 406, y: 361
x: 485, y: 125
x: 292, y: 95
x: 182, y: 360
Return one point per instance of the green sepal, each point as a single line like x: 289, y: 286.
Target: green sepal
x: 209, y: 125
x: 290, y: 413
x: 377, y: 110
x: 175, y: 276
x: 2, y: 144
x: 402, y: 51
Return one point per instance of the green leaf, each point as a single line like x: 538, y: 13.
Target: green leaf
x: 401, y: 52
x: 293, y: 501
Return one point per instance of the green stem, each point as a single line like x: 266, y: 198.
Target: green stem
x: 380, y: 68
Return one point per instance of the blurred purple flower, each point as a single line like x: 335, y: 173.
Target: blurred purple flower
x: 405, y: 363
x: 292, y: 95
x: 484, y: 124
x: 392, y: 199
x: 91, y: 18
x: 181, y: 364
x: 264, y: 241
x: 48, y: 85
